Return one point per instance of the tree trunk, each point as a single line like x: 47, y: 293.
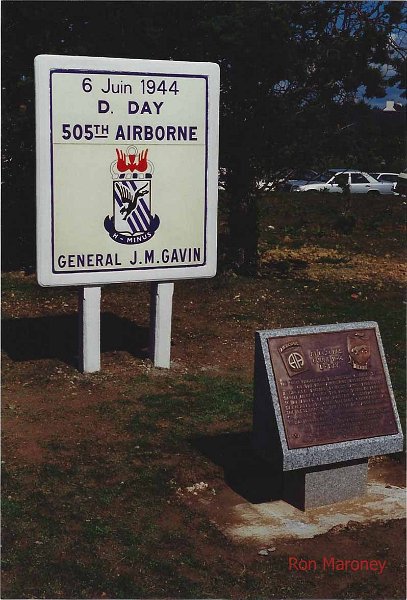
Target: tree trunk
x: 243, y: 223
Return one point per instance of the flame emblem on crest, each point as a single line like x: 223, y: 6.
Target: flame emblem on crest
x: 132, y: 161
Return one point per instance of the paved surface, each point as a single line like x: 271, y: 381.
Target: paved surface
x: 278, y: 520
x: 264, y: 522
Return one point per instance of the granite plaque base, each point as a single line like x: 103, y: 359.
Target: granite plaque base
x: 323, y: 404
x: 318, y: 486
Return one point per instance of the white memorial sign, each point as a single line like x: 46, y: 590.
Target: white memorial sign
x: 127, y: 170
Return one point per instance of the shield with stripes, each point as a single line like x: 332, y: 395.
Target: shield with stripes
x: 132, y: 205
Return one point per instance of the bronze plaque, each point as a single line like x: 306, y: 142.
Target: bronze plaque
x: 331, y: 387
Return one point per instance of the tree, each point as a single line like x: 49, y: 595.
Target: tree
x: 290, y: 74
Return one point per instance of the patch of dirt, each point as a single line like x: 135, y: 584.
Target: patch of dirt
x: 93, y: 463
x: 319, y: 264
x: 384, y: 470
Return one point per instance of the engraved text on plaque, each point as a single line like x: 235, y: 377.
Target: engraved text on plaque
x: 331, y: 387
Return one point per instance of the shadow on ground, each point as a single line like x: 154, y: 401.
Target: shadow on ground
x: 244, y: 471
x: 58, y: 337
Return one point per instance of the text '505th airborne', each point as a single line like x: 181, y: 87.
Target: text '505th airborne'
x: 137, y: 107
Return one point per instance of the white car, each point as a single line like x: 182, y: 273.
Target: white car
x: 359, y: 183
x: 389, y: 177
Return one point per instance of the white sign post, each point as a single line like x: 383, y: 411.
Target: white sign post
x: 89, y: 329
x: 160, y: 323
x: 127, y: 171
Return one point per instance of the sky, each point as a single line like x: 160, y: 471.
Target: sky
x: 392, y: 93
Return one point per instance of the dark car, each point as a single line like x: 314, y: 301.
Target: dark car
x: 400, y: 187
x: 297, y: 178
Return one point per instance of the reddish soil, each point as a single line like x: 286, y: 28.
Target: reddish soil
x: 92, y: 463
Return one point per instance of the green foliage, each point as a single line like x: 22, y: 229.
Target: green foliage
x: 290, y: 72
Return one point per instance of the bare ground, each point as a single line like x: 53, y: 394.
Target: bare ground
x: 96, y: 467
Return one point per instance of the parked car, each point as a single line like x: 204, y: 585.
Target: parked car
x: 392, y: 177
x: 321, y: 177
x: 296, y: 178
x: 326, y: 175
x: 359, y: 183
x: 400, y: 187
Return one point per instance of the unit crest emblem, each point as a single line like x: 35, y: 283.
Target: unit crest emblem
x: 293, y: 358
x: 132, y: 221
x: 359, y: 350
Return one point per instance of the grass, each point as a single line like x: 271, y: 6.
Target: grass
x: 95, y: 529
x: 98, y: 515
x: 374, y: 224
x: 11, y: 509
x: 123, y: 515
x: 202, y: 398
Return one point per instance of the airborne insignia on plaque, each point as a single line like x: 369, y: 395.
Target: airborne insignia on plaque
x: 132, y: 221
x: 359, y: 350
x: 293, y: 358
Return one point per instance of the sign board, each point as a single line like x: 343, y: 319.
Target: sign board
x: 127, y: 169
x: 323, y: 394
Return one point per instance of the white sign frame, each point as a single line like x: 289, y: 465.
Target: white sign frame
x: 45, y: 65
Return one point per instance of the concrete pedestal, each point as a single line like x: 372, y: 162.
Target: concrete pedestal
x: 318, y: 486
